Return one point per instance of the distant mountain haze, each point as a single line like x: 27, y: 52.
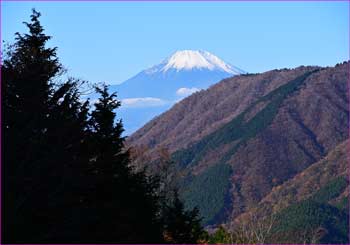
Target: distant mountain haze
x: 154, y: 90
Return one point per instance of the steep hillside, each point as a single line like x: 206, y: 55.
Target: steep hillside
x: 236, y: 141
x: 330, y: 173
x: 325, y: 181
x: 313, y: 222
x: 314, y: 203
x: 205, y: 111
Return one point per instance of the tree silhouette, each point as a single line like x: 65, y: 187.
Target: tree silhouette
x: 66, y: 173
x: 121, y: 204
x: 27, y: 85
x: 180, y: 225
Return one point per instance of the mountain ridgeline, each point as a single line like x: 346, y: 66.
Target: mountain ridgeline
x: 154, y: 90
x: 245, y: 136
x: 184, y: 68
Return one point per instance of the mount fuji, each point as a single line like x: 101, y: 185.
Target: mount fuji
x: 156, y: 89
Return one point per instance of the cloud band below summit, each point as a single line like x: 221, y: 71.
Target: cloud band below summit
x: 143, y: 102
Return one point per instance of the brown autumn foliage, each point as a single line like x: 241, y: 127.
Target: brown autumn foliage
x: 205, y: 111
x: 309, y: 124
x: 303, y: 185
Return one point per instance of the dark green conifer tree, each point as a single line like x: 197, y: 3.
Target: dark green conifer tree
x: 42, y: 124
x: 220, y: 236
x: 180, y: 225
x: 122, y: 205
x: 66, y: 176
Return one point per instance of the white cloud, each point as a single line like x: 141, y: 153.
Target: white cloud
x: 186, y: 91
x: 143, y: 102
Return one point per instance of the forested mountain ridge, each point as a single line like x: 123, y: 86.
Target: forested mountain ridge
x: 324, y: 184
x: 205, y: 111
x: 303, y: 185
x: 236, y: 141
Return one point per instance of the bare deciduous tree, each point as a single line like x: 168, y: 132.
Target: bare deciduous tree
x: 253, y: 230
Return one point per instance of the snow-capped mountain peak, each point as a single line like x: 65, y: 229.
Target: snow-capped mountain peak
x: 183, y: 73
x: 197, y: 59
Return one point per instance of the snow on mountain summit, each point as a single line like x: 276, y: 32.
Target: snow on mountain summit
x: 154, y: 90
x: 194, y: 59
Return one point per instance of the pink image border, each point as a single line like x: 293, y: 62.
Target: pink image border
x: 198, y: 1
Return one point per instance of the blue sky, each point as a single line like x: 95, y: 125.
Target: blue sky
x: 112, y: 41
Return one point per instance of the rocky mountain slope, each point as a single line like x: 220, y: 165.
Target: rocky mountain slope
x: 235, y: 142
